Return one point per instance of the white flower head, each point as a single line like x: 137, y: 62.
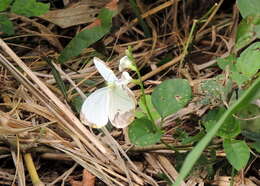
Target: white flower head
x: 125, y: 63
x: 115, y: 103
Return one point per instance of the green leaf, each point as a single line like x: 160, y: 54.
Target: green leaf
x: 229, y: 129
x: 227, y: 61
x: 237, y: 153
x: 154, y: 113
x: 29, y: 8
x: 238, y: 77
x: 248, y: 31
x: 142, y: 133
x: 89, y: 36
x: 249, y: 61
x: 256, y: 146
x: 4, y: 4
x: 171, y: 96
x: 212, y: 90
x: 194, y: 155
x: 6, y: 26
x: 248, y: 7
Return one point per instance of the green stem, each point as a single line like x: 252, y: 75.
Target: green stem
x: 130, y: 56
x: 170, y: 147
x: 143, y: 95
x: 188, y: 41
x: 208, y: 12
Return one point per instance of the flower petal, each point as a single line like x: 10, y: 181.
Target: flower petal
x: 94, y: 111
x: 121, y: 106
x: 104, y: 70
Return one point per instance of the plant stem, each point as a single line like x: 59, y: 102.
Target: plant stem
x: 32, y: 170
x: 170, y: 147
x: 143, y: 95
x: 131, y: 57
x: 188, y: 42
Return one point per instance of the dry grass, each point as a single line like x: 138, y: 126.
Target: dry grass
x: 36, y: 118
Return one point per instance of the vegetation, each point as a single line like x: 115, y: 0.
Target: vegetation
x: 191, y: 116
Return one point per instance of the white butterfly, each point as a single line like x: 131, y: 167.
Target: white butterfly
x: 115, y: 102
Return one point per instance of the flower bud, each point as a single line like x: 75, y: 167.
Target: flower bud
x: 126, y: 63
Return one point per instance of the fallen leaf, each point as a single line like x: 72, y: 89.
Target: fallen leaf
x: 80, y: 13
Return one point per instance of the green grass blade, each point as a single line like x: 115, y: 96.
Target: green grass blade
x: 194, y: 155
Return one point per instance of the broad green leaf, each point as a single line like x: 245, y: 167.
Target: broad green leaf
x: 4, y: 4
x: 215, y: 90
x: 194, y: 155
x: 142, y: 133
x: 29, y: 8
x: 6, y: 26
x: 227, y: 61
x: 248, y: 62
x: 238, y: 77
x: 256, y: 146
x: 248, y: 7
x: 229, y: 129
x: 212, y: 91
x: 237, y: 153
x: 171, y: 96
x: 153, y: 112
x: 139, y: 113
x: 248, y: 31
x: 89, y: 36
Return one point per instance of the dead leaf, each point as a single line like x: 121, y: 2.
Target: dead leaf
x: 88, y: 178
x: 80, y: 13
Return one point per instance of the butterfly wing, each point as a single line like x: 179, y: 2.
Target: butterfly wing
x: 121, y: 106
x: 94, y: 111
x: 104, y: 70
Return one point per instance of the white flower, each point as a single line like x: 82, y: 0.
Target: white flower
x: 125, y: 63
x: 115, y: 102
